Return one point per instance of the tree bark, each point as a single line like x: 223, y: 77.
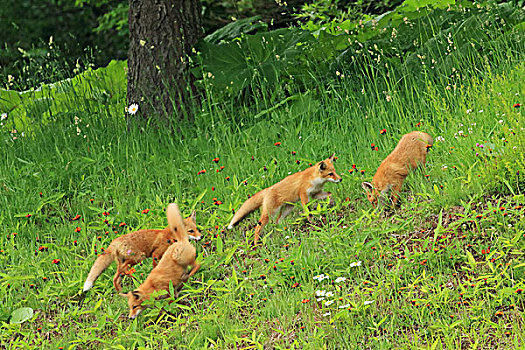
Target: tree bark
x: 162, y: 35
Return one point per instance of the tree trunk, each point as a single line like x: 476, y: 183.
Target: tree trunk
x: 162, y: 35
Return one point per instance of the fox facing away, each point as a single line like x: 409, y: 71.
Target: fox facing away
x: 130, y: 249
x: 303, y: 186
x: 410, y: 152
x: 172, y: 268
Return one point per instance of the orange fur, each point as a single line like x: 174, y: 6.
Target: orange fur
x: 130, y: 249
x: 303, y: 186
x: 170, y: 270
x: 410, y: 152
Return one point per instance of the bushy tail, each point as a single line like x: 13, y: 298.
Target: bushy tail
x: 102, y: 263
x: 175, y: 221
x: 247, y: 207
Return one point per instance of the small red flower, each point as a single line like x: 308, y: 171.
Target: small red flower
x: 28, y: 215
x: 78, y: 229
x: 295, y: 285
x: 105, y: 213
x: 418, y: 124
x: 216, y: 159
x: 40, y: 194
x: 130, y: 271
x: 516, y: 105
x: 213, y: 188
x: 203, y: 171
x: 277, y: 144
x: 76, y: 217
x: 227, y: 178
x: 145, y: 211
x: 56, y: 261
x: 519, y: 290
x: 294, y: 153
x: 91, y: 200
x: 383, y: 131
x: 373, y: 145
x: 122, y: 224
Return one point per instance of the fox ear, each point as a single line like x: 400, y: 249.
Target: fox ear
x: 193, y: 215
x: 136, y: 294
x: 367, y: 186
x: 332, y: 156
x: 322, y: 166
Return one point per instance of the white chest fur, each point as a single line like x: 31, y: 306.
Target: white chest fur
x: 316, y: 186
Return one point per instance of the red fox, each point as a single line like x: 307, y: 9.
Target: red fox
x: 410, y: 152
x: 303, y: 186
x: 172, y: 268
x: 132, y: 248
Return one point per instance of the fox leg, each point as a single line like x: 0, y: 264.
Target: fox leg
x: 155, y: 258
x: 396, y: 190
x: 304, y: 201
x: 196, y: 266
x: 262, y: 222
x: 119, y: 275
x: 285, y: 210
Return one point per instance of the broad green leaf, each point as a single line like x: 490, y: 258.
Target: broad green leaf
x: 21, y: 315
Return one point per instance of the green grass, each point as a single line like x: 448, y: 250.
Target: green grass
x: 443, y: 271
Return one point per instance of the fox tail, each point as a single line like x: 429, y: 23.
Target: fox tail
x: 102, y: 263
x: 175, y: 221
x: 247, y: 207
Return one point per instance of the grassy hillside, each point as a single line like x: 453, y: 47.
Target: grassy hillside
x: 445, y: 270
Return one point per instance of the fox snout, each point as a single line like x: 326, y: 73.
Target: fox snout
x: 195, y: 238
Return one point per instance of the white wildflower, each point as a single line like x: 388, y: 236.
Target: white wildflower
x: 321, y: 277
x: 355, y: 263
x: 440, y: 139
x: 346, y: 306
x: 328, y: 302
x: 368, y: 302
x: 320, y: 293
x: 340, y: 279
x: 329, y: 294
x: 133, y: 108
x: 327, y: 314
x: 3, y: 116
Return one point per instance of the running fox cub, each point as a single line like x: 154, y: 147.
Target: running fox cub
x: 132, y: 248
x: 172, y: 268
x: 303, y: 186
x: 410, y: 152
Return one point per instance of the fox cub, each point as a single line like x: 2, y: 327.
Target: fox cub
x: 132, y: 248
x: 303, y: 186
x: 172, y: 268
x: 410, y: 152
